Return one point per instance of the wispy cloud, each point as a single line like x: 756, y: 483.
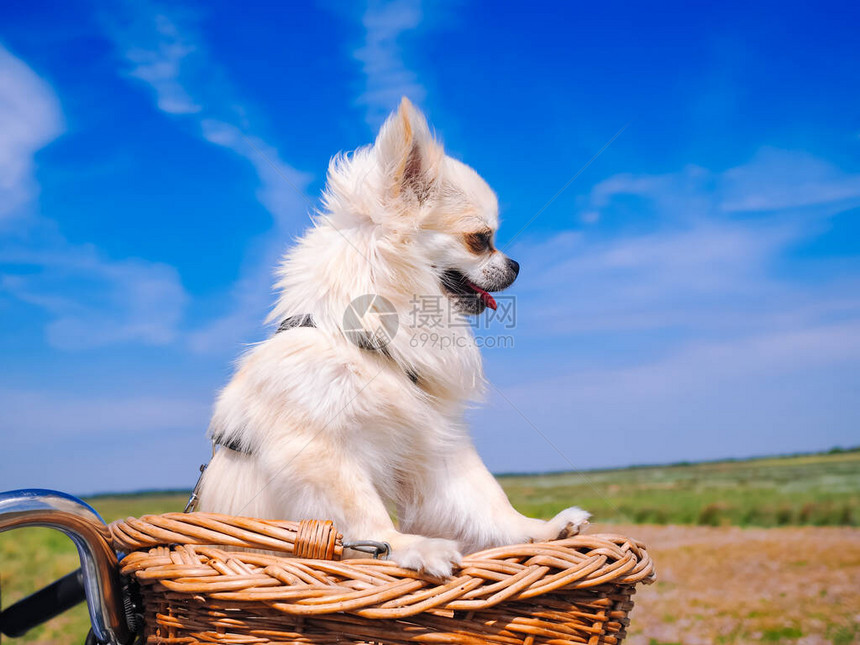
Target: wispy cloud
x: 281, y: 188
x: 680, y: 325
x: 773, y: 180
x: 686, y: 259
x: 782, y: 179
x: 281, y: 192
x: 387, y: 77
x: 160, y: 47
x: 94, y: 301
x: 30, y: 118
x: 765, y: 393
x: 91, y: 300
x: 160, y: 64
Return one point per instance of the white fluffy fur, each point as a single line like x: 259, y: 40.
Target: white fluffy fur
x: 339, y: 432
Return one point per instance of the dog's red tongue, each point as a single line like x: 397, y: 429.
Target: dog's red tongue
x: 485, y: 295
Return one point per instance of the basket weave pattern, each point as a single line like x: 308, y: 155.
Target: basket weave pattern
x: 197, y: 588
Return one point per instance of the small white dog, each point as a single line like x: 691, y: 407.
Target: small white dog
x: 327, y: 421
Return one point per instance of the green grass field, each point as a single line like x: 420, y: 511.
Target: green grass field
x: 816, y: 490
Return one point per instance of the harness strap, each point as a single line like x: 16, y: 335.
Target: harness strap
x: 292, y: 322
x: 301, y: 320
x: 307, y: 320
x: 232, y: 444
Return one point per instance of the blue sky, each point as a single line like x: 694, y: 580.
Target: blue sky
x: 694, y: 293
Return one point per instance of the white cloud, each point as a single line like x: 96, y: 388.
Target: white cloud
x: 160, y: 64
x: 766, y: 393
x: 649, y: 281
x: 682, y: 196
x: 162, y: 50
x: 30, y: 118
x: 387, y: 77
x: 590, y: 217
x: 281, y: 186
x: 780, y: 179
x: 281, y: 191
x: 92, y: 300
x: 692, y: 265
x: 680, y: 336
x: 773, y: 180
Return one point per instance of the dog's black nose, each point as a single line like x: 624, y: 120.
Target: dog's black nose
x: 515, y: 266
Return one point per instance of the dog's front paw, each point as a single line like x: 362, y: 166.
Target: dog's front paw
x: 568, y: 523
x: 433, y: 556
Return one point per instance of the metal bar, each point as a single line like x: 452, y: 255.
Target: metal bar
x: 78, y: 520
x: 43, y: 605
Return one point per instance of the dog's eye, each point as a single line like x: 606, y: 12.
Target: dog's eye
x: 479, y: 242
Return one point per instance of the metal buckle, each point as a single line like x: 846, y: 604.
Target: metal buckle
x: 378, y: 549
x: 191, y: 506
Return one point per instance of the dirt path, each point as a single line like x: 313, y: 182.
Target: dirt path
x: 731, y: 585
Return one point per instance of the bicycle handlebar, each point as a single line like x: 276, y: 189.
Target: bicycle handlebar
x: 99, y: 576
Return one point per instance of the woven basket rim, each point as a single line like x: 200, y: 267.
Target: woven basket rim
x: 200, y: 554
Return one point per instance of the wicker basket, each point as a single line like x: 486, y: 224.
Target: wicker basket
x: 200, y: 584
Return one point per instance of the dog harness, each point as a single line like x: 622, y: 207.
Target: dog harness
x: 300, y: 320
x: 220, y: 440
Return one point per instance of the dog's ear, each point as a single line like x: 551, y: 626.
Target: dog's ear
x: 408, y: 155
